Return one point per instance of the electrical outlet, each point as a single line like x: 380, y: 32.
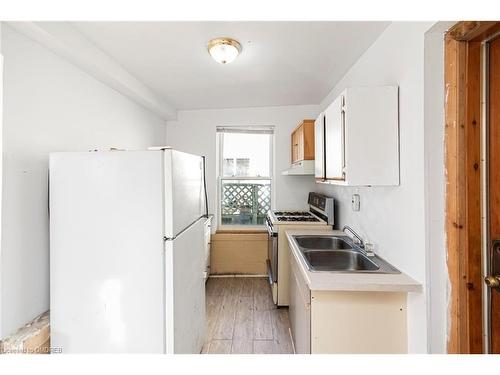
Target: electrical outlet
x: 355, y: 202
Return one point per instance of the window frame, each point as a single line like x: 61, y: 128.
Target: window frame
x: 221, y: 178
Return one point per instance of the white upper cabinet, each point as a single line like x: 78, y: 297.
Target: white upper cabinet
x: 360, y: 145
x: 319, y: 140
x: 334, y: 140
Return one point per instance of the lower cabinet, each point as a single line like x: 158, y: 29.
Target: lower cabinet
x: 344, y: 322
x: 358, y: 322
x: 300, y: 314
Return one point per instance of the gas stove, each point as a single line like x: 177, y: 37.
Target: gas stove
x: 319, y: 216
x: 294, y: 217
x: 291, y: 213
x: 320, y: 213
x: 302, y: 216
x: 297, y: 218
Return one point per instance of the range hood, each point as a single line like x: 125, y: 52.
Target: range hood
x: 301, y: 168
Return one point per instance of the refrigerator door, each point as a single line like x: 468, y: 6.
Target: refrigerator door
x: 185, y: 319
x: 184, y: 191
x: 107, y: 252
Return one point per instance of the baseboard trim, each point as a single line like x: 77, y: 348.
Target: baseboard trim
x: 32, y: 338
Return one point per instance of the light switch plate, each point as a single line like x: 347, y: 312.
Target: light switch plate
x: 355, y: 202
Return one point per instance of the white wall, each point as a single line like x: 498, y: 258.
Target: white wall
x: 393, y: 217
x: 195, y: 131
x: 49, y: 105
x: 437, y: 272
x: 434, y: 103
x: 65, y: 40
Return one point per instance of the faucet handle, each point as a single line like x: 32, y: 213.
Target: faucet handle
x: 369, y: 247
x: 356, y: 240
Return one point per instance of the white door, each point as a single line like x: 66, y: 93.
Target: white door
x: 319, y: 141
x: 335, y: 140
x: 185, y: 291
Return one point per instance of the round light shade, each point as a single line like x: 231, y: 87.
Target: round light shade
x: 224, y: 50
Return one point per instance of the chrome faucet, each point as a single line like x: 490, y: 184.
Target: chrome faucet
x: 356, y: 236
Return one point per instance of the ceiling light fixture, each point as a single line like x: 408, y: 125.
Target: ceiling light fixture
x: 224, y: 50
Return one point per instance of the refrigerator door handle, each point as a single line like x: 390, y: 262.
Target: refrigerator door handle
x: 183, y: 230
x: 205, y: 184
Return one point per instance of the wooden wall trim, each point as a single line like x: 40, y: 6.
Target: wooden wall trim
x: 471, y: 30
x: 454, y: 143
x: 473, y: 252
x: 463, y: 189
x: 463, y: 181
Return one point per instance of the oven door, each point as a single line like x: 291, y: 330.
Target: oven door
x: 272, y: 253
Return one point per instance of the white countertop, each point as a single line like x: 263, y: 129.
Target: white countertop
x: 334, y: 281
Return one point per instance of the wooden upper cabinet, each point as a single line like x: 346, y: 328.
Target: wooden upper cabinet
x: 303, y: 141
x: 295, y: 147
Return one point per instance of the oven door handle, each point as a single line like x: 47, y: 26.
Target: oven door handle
x: 269, y: 272
x: 269, y: 228
x: 271, y: 233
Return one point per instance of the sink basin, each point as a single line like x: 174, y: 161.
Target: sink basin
x: 322, y: 243
x: 338, y: 260
x: 338, y: 253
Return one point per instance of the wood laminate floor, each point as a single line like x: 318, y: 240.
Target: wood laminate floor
x: 242, y: 319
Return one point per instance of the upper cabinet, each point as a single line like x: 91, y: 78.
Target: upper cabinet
x: 319, y: 141
x: 357, y: 138
x: 303, y: 142
x: 335, y: 140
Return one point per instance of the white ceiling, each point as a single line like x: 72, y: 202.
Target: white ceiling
x: 282, y: 63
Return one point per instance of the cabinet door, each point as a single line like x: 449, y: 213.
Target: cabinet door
x: 308, y: 139
x: 300, y: 313
x: 300, y: 143
x: 335, y: 140
x: 319, y: 141
x: 295, y: 147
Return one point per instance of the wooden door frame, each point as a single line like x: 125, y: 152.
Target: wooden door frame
x: 463, y: 124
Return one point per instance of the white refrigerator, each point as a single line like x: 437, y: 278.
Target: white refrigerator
x: 127, y: 252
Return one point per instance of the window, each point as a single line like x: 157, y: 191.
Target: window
x: 245, y: 175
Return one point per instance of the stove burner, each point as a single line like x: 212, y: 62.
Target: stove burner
x: 297, y: 218
x: 292, y: 213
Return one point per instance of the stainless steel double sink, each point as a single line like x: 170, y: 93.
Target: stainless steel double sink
x: 333, y: 253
